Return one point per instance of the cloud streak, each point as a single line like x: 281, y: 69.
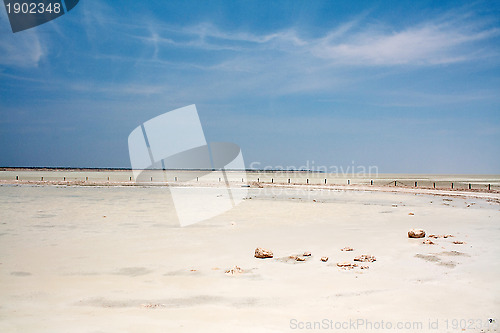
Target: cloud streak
x: 435, y: 42
x: 426, y: 45
x: 23, y: 49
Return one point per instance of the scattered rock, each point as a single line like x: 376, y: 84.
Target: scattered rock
x: 365, y: 258
x: 263, y: 253
x: 324, y: 259
x: 234, y: 271
x: 416, y: 233
x: 440, y: 236
x: 364, y: 267
x: 347, y: 248
x: 459, y: 242
x: 411, y: 213
x: 428, y: 241
x: 293, y: 259
x: 346, y: 265
x: 307, y: 254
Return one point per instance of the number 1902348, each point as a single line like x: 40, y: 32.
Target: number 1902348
x: 33, y: 8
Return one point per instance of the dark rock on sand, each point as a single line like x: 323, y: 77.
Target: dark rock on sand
x: 263, y: 253
x: 416, y: 233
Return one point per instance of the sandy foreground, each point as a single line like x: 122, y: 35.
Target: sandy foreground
x: 114, y: 259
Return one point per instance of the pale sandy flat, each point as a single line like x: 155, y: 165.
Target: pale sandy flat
x: 114, y: 259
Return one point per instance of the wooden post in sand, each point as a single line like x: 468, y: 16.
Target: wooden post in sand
x: 307, y: 180
x: 325, y: 180
x: 489, y: 187
x: 469, y: 186
x: 130, y: 178
x: 108, y: 179
x: 258, y: 180
x: 272, y: 180
x: 64, y: 178
x: 151, y: 178
x: 197, y: 179
x: 175, y: 178
x: 348, y: 182
x: 371, y: 182
x: 451, y: 185
x: 288, y: 180
x: 395, y: 183
x: 415, y: 184
x: 86, y: 178
x: 434, y: 185
x: 17, y: 177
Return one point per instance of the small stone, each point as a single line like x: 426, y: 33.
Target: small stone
x: 307, y: 254
x: 234, y: 271
x: 428, y: 241
x: 347, y: 248
x: 459, y: 242
x: 416, y: 233
x: 300, y: 259
x: 324, y: 259
x: 411, y: 213
x: 364, y: 267
x: 346, y: 265
x: 263, y: 253
x: 440, y: 236
x: 365, y: 258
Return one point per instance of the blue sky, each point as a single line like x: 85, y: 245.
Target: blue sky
x: 407, y: 86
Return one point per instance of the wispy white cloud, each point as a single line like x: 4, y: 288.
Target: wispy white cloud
x: 442, y: 40
x: 23, y: 49
x: 428, y: 44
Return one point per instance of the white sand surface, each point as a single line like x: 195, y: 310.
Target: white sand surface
x: 114, y: 259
